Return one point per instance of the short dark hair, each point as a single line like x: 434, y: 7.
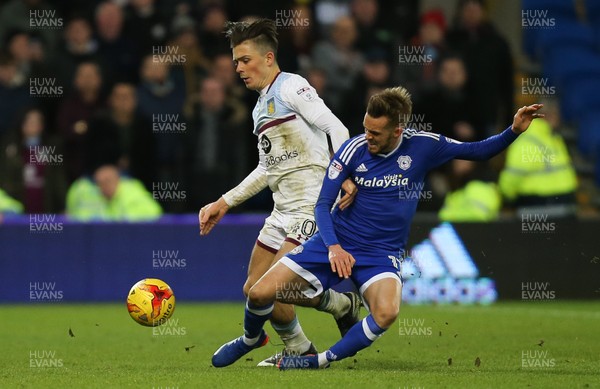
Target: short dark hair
x: 393, y: 103
x: 263, y: 32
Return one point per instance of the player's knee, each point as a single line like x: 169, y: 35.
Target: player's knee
x: 385, y: 316
x: 259, y: 296
x: 247, y: 285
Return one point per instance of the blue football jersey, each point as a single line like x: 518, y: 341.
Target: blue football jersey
x: 389, y: 187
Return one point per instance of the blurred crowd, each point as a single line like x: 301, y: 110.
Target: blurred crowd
x: 147, y: 89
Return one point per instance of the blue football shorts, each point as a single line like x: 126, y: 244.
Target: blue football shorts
x: 311, y: 262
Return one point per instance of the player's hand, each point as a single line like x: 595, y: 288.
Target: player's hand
x: 525, y: 116
x: 350, y: 190
x: 211, y: 214
x: 341, y: 261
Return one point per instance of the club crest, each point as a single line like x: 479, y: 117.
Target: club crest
x: 404, y: 162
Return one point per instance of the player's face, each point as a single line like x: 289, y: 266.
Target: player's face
x: 380, y: 138
x: 252, y: 65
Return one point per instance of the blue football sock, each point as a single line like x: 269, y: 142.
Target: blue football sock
x: 360, y: 336
x: 254, y: 320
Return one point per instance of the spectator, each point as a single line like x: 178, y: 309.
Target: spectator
x: 28, y: 53
x: 223, y: 70
x: 327, y: 12
x: 489, y: 65
x: 240, y: 100
x: 145, y: 25
x: 79, y: 46
x: 117, y: 47
x: 121, y: 136
x: 110, y: 197
x: 211, y: 31
x: 161, y: 97
x: 447, y: 108
x: 318, y: 79
x: 194, y: 63
x: 296, y: 39
x: 371, y: 32
x: 14, y: 92
x: 75, y: 113
x: 538, y: 176
x: 31, y: 166
x: 477, y: 201
x: 427, y: 47
x: 213, y: 157
x: 375, y: 75
x: 8, y: 205
x: 340, y: 60
x: 15, y: 15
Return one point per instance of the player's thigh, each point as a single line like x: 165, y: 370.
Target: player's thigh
x: 261, y: 260
x: 383, y: 298
x: 286, y: 247
x: 278, y: 283
x: 269, y: 243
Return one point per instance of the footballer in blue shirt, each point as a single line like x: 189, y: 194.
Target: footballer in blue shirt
x: 366, y: 241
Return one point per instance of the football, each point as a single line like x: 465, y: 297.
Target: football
x: 151, y: 302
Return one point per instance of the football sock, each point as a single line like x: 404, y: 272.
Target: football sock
x: 360, y: 336
x: 254, y: 320
x: 335, y: 303
x: 293, y: 337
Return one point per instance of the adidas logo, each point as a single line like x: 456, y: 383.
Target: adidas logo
x: 362, y: 168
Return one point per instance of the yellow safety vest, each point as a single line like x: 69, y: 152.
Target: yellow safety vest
x: 478, y: 201
x: 537, y: 164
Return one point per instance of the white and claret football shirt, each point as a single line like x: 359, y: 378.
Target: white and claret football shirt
x: 378, y: 221
x: 292, y: 123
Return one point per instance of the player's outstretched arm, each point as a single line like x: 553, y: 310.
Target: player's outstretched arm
x: 487, y: 148
x: 525, y: 116
x: 211, y: 214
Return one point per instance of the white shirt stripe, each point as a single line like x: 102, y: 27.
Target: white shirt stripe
x: 348, y: 147
x: 354, y: 151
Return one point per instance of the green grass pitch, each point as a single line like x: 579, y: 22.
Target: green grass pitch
x: 553, y: 344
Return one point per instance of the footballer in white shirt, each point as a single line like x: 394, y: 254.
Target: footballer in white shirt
x: 292, y: 124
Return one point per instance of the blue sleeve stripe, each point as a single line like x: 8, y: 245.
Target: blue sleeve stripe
x: 351, y: 149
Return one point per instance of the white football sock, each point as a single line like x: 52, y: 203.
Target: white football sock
x: 335, y: 303
x: 293, y: 337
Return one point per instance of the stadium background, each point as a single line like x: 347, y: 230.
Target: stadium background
x: 64, y: 281
x: 190, y: 135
